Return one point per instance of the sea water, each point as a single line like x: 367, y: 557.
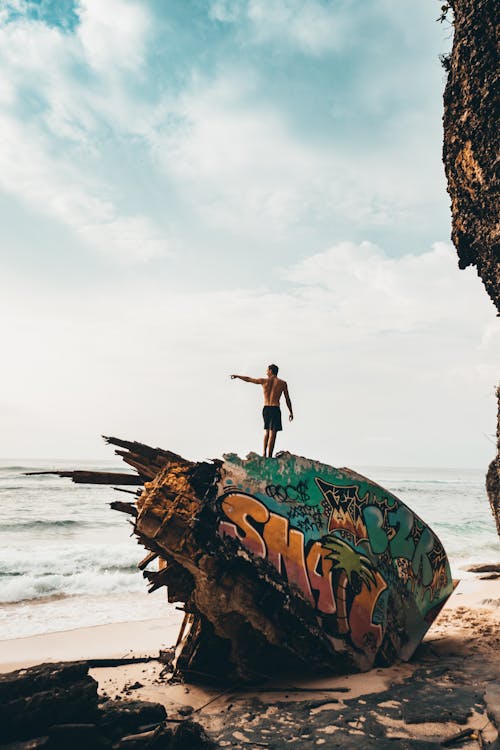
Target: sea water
x: 67, y: 560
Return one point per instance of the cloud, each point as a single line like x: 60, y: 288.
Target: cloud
x: 248, y: 138
x: 311, y: 27
x: 406, y: 294
x: 54, y: 187
x: 113, y: 34
x: 241, y: 167
x: 125, y: 97
x: 236, y: 162
x: 377, y: 374
x: 52, y: 121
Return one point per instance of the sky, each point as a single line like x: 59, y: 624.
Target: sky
x: 192, y: 188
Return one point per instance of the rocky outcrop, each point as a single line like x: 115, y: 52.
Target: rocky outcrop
x: 471, y: 139
x: 470, y: 155
x: 493, y: 476
x: 56, y: 706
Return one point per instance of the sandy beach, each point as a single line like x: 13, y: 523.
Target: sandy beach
x: 450, y: 685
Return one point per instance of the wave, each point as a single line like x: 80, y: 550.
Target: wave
x: 40, y: 600
x: 68, y: 568
x: 29, y: 587
x: 42, y: 524
x: 67, y: 560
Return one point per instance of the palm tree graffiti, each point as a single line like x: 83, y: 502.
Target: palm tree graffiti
x: 350, y: 562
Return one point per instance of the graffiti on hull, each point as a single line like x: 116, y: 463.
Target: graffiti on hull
x: 352, y: 548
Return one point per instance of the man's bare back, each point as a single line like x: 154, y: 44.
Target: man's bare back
x: 273, y: 388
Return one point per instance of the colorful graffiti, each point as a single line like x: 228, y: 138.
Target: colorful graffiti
x: 355, y: 552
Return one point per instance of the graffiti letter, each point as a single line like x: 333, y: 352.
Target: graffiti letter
x: 240, y: 509
x: 285, y: 546
x: 321, y: 582
x: 374, y: 521
x: 401, y: 544
x: 424, y: 546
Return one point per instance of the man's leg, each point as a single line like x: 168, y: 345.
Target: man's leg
x: 270, y: 445
x: 266, y: 440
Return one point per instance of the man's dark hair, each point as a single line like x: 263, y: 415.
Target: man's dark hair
x: 274, y: 369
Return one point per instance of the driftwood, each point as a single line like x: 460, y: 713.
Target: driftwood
x: 484, y: 568
x: 283, y: 564
x: 120, y: 662
x: 93, y: 477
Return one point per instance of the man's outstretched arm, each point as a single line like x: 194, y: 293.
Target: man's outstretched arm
x: 288, y: 402
x: 257, y: 381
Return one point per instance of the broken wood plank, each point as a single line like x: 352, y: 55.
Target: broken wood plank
x: 80, y: 476
x: 95, y: 663
x: 123, y: 507
x: 146, y: 560
x: 136, y: 493
x: 156, y: 578
x: 152, y: 455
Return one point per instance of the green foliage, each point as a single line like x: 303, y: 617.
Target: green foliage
x: 444, y: 13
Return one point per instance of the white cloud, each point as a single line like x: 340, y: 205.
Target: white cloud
x: 113, y: 34
x: 231, y: 157
x: 51, y: 185
x: 44, y: 158
x: 379, y: 293
x: 378, y: 374
x: 234, y: 164
x: 240, y: 165
x: 308, y: 25
x: 311, y: 26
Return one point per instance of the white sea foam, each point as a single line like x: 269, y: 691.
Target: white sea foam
x: 26, y: 587
x: 67, y: 560
x: 59, y: 613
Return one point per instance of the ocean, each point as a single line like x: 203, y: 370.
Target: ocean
x: 67, y: 560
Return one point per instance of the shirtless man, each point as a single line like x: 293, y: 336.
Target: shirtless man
x: 273, y: 388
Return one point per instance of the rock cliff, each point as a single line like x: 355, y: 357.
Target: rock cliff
x: 471, y: 139
x: 470, y: 156
x: 493, y: 477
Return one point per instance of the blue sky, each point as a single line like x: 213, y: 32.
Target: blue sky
x: 189, y: 188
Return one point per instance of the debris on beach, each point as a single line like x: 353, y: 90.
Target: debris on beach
x: 282, y: 564
x: 56, y: 706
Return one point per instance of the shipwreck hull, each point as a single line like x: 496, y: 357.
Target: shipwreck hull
x: 286, y: 563
x: 282, y: 564
x: 374, y: 573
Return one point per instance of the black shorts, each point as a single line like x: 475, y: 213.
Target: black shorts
x: 272, y: 418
